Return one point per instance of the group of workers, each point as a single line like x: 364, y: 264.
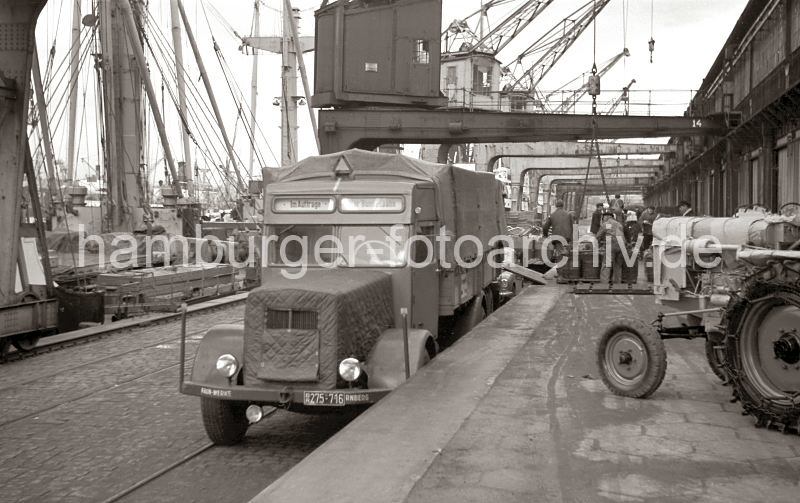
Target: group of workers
x: 614, y: 227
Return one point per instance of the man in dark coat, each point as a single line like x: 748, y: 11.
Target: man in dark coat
x: 559, y: 223
x: 597, y: 218
x: 612, y: 240
x: 646, y: 223
x: 685, y: 209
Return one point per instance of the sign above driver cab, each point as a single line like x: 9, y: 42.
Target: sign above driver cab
x: 303, y: 205
x: 371, y: 204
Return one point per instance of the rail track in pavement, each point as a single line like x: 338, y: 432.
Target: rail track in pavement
x: 86, y: 335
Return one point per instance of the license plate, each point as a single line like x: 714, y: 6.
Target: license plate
x: 323, y: 398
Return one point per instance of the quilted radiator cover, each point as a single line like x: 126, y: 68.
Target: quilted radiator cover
x: 333, y: 314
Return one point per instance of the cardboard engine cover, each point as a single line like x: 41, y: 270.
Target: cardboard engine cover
x: 298, y: 330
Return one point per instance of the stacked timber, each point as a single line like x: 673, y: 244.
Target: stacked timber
x: 164, y: 288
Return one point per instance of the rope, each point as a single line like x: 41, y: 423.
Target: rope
x: 651, y: 43
x: 192, y: 108
x: 625, y: 12
x: 594, y: 35
x: 651, y: 17
x: 595, y: 146
x: 227, y: 74
x: 201, y: 106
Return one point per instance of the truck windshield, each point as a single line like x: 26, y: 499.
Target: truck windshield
x: 338, y: 245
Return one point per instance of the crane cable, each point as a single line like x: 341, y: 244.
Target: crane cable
x: 594, y: 148
x: 651, y: 44
x: 625, y: 10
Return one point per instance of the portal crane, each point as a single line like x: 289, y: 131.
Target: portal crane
x: 459, y: 37
x: 549, y: 48
x: 568, y: 102
x: 624, y: 97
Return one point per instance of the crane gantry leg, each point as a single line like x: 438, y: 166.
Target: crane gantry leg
x: 17, y: 25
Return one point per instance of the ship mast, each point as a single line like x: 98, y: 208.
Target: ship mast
x: 254, y: 90
x: 124, y: 125
x: 288, y: 47
x: 178, y: 47
x: 75, y: 51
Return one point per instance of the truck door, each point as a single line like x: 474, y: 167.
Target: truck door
x: 425, y: 278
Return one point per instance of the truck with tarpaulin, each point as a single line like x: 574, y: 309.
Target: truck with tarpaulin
x: 372, y: 262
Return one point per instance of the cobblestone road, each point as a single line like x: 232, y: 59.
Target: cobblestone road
x: 84, y: 423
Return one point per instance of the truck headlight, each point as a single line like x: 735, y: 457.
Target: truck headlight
x: 227, y: 365
x: 350, y: 369
x: 504, y: 283
x: 254, y: 413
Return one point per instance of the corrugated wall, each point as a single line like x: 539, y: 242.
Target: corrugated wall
x: 789, y: 173
x: 795, y: 13
x: 768, y: 46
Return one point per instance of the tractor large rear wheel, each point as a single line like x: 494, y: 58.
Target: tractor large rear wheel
x: 763, y: 350
x: 715, y: 354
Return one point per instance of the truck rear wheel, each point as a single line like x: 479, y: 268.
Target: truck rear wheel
x: 631, y: 358
x: 224, y: 420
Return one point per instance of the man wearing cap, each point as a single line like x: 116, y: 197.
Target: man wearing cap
x: 685, y: 209
x: 559, y: 223
x: 632, y: 228
x: 612, y: 239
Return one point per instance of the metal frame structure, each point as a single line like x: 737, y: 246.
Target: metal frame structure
x: 368, y: 128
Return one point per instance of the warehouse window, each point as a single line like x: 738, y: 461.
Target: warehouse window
x: 422, y: 53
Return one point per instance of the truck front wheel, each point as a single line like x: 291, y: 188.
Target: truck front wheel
x: 224, y: 420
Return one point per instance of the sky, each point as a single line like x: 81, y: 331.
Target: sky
x: 689, y: 34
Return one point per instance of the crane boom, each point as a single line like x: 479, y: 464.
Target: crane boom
x: 550, y: 47
x: 570, y: 100
x: 508, y: 29
x: 459, y: 37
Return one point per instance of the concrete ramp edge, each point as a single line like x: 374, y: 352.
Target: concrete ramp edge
x: 381, y: 454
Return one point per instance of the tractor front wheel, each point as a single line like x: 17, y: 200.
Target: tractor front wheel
x: 631, y: 358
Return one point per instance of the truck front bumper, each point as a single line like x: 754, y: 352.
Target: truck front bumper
x: 286, y: 396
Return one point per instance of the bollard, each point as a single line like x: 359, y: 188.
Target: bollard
x: 404, y: 315
x: 183, y: 309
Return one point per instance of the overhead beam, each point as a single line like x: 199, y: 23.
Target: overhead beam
x: 564, y: 186
x: 582, y: 163
x: 488, y: 154
x: 642, y: 177
x: 617, y: 182
x: 536, y: 174
x: 341, y: 129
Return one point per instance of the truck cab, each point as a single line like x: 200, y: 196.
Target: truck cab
x: 362, y: 267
